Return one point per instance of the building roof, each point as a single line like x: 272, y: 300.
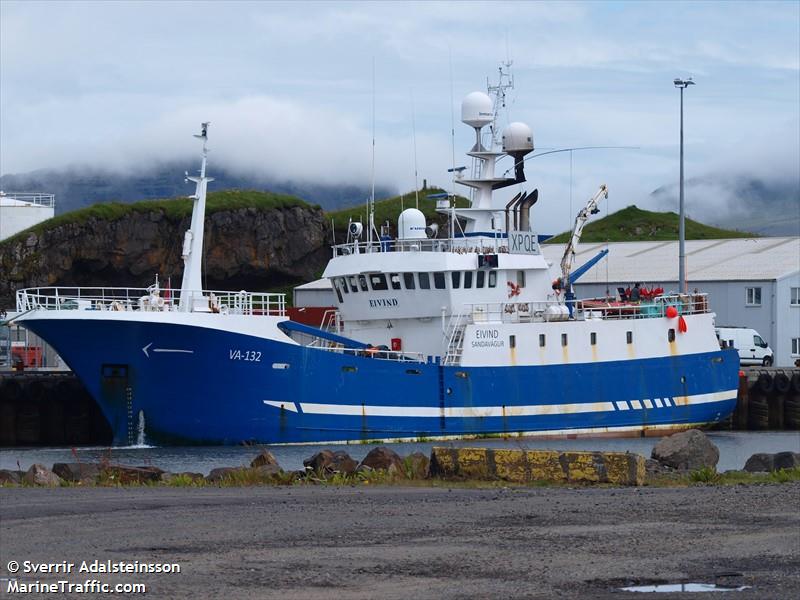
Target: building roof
x: 741, y: 259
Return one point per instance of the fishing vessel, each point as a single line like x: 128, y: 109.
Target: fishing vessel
x: 470, y: 333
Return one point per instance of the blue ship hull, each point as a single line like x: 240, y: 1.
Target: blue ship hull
x: 234, y: 388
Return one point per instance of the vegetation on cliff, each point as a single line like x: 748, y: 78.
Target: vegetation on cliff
x: 172, y: 208
x: 633, y: 224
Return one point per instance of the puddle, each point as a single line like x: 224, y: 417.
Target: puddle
x: 684, y: 587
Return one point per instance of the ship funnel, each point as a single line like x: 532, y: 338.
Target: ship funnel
x: 525, y: 211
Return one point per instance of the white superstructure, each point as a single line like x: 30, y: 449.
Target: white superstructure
x: 20, y: 210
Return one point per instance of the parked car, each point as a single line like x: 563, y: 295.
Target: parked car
x: 753, y: 350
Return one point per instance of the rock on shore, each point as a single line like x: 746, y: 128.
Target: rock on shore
x: 687, y: 450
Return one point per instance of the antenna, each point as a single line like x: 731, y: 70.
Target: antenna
x: 372, y: 193
x: 452, y: 144
x: 414, y: 138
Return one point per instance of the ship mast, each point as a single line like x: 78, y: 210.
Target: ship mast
x: 192, y: 285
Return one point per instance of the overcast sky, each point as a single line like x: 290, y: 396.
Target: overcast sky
x: 288, y: 88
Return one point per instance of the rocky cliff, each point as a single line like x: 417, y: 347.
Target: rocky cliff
x: 253, y: 241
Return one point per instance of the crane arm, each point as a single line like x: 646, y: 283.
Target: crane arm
x: 580, y: 221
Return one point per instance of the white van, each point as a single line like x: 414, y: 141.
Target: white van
x: 753, y: 350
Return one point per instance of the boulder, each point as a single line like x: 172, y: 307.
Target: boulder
x: 687, y: 450
x: 760, y: 463
x: 41, y: 475
x: 327, y: 462
x: 221, y: 473
x: 764, y: 463
x: 264, y: 458
x: 416, y: 465
x: 126, y: 475
x: 84, y: 473
x: 383, y: 458
x: 7, y: 476
x: 267, y: 471
x: 787, y: 460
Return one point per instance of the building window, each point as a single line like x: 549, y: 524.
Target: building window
x: 394, y: 278
x: 795, y: 346
x: 492, y: 279
x: 480, y: 279
x: 408, y: 278
x: 362, y: 282
x: 563, y: 339
x: 467, y: 279
x: 593, y: 338
x: 378, y: 282
x: 456, y: 277
x: 542, y: 340
x: 753, y: 296
x: 424, y: 281
x: 521, y: 279
x: 795, y: 292
x: 629, y: 337
x: 438, y: 280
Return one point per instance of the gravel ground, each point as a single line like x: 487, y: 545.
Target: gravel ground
x: 413, y: 542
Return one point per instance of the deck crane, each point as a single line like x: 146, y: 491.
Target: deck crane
x: 568, y: 259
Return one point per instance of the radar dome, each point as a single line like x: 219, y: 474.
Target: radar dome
x: 517, y: 139
x: 477, y: 110
x: 411, y: 225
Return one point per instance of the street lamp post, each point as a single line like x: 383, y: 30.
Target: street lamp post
x: 682, y: 84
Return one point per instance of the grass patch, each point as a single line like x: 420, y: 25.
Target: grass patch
x: 634, y: 224
x: 173, y: 209
x: 389, y: 209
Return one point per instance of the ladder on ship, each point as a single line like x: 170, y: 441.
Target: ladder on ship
x: 455, y: 338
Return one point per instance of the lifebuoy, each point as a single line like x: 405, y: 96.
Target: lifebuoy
x: 514, y: 289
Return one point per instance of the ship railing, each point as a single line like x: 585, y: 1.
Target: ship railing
x: 460, y: 245
x: 151, y: 299
x: 376, y: 353
x: 37, y: 198
x: 601, y: 309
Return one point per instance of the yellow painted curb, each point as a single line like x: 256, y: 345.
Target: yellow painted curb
x: 525, y: 466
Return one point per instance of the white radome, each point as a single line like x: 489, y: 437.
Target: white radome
x: 517, y: 137
x: 411, y: 225
x: 477, y: 110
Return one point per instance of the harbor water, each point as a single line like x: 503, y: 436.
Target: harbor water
x: 734, y: 448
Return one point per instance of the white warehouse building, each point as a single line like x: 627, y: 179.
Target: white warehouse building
x: 751, y: 282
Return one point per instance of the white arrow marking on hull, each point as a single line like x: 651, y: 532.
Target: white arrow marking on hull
x: 147, y: 354
x: 287, y: 405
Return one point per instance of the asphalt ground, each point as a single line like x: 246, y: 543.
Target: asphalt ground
x: 320, y: 542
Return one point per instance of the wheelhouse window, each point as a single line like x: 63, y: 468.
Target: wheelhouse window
x: 378, y: 282
x: 353, y: 285
x: 467, y: 280
x: 492, y: 279
x: 408, y: 279
x: 438, y: 280
x: 455, y: 276
x: 394, y: 279
x: 480, y: 279
x: 362, y: 282
x: 338, y: 291
x: 753, y: 296
x: 343, y: 285
x: 424, y: 281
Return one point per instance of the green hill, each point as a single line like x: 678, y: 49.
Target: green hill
x: 633, y: 224
x: 390, y: 208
